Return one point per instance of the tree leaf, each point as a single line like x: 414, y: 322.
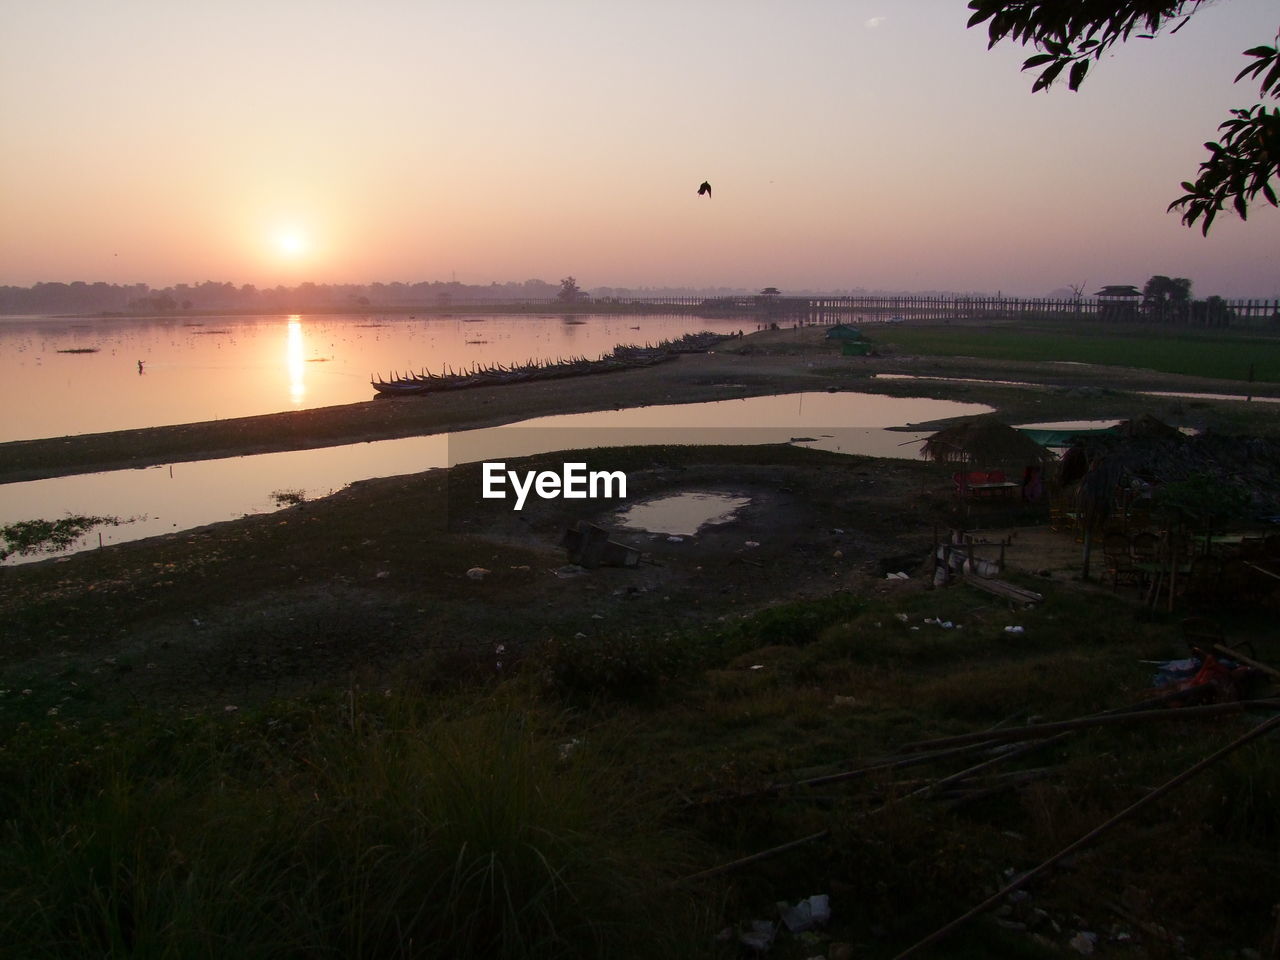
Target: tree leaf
x: 1048, y: 76
x: 1078, y: 70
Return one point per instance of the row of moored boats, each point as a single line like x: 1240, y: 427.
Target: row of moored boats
x: 621, y: 358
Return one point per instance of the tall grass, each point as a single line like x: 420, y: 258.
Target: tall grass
x: 1218, y: 355
x: 374, y: 834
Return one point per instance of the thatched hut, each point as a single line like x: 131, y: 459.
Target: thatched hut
x: 985, y: 443
x: 1238, y: 479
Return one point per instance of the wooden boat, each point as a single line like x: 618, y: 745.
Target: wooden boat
x: 623, y: 357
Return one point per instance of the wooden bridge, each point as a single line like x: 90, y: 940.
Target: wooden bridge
x: 867, y: 308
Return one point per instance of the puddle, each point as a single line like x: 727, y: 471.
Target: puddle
x: 913, y: 376
x: 1211, y: 396
x: 682, y: 514
x: 1171, y: 394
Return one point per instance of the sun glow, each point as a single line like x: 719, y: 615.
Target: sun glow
x: 295, y: 360
x: 291, y: 243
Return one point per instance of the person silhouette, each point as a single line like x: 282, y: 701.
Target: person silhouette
x: 705, y: 188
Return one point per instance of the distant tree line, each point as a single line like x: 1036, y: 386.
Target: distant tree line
x: 1168, y: 300
x: 139, y: 298
x: 80, y: 297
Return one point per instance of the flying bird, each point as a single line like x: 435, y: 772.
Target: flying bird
x: 705, y: 188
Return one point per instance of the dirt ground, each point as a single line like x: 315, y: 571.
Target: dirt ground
x: 365, y: 581
x: 371, y: 578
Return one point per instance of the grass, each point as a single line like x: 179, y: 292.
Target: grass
x: 432, y: 804
x: 539, y: 816
x: 28, y: 537
x: 1226, y: 355
x: 373, y: 827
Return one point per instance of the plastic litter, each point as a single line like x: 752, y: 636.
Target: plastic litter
x: 675, y: 539
x: 760, y: 936
x: 807, y: 914
x: 475, y: 573
x: 1083, y: 943
x: 1014, y: 630
x: 752, y: 543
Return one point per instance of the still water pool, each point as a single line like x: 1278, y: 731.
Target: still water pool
x: 682, y: 514
x: 181, y: 496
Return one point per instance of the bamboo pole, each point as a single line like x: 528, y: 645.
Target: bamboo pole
x: 753, y: 858
x: 1259, y: 731
x: 1232, y: 654
x: 1046, y: 729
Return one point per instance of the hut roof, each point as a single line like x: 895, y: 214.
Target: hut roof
x: 1119, y: 290
x: 1157, y: 453
x: 1147, y: 427
x: 985, y: 441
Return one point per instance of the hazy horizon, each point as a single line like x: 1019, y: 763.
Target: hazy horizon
x: 849, y: 144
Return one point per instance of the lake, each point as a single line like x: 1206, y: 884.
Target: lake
x: 63, y: 376
x: 181, y: 496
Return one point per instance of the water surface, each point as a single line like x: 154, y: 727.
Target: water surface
x: 214, y: 368
x: 180, y: 496
x: 681, y: 514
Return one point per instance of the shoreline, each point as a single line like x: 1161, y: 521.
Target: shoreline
x: 772, y: 362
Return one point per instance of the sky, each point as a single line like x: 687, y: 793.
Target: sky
x: 872, y: 144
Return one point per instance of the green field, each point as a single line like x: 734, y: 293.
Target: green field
x: 1215, y: 354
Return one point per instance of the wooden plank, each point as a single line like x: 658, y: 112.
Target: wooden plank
x: 1002, y: 589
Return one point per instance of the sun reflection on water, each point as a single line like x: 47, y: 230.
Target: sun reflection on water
x: 295, y: 359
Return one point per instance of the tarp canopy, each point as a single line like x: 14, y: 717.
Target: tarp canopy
x: 842, y: 331
x: 1062, y: 437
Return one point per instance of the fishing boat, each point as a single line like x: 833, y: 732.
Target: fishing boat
x: 623, y: 357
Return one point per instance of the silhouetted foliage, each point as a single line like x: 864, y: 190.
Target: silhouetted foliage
x: 1245, y: 158
x: 1166, y: 298
x: 569, y: 292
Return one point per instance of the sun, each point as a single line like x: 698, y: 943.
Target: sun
x: 291, y: 243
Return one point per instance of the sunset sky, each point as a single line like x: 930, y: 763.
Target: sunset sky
x: 849, y: 143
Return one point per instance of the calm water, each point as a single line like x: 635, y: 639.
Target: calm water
x: 1023, y: 383
x: 215, y: 368
x: 682, y: 514
x: 186, y: 495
